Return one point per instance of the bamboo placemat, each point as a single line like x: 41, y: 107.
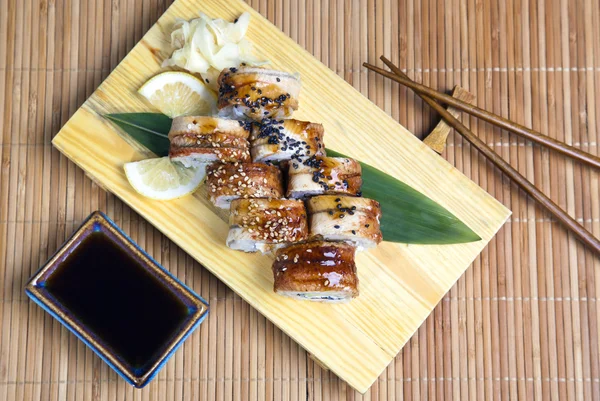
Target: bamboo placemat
x: 522, y: 323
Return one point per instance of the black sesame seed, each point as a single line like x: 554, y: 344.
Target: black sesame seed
x: 331, y: 212
x: 336, y: 226
x: 353, y: 207
x: 278, y: 80
x: 353, y: 232
x: 367, y: 225
x: 336, y: 199
x: 235, y: 22
x: 207, y: 81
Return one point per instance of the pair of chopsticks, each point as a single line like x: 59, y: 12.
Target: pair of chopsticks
x: 428, y: 95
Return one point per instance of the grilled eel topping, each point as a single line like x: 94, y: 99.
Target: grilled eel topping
x: 345, y: 218
x: 230, y: 181
x: 257, y: 93
x: 324, y: 175
x: 316, y: 271
x: 264, y: 224
x: 279, y: 140
x: 196, y: 140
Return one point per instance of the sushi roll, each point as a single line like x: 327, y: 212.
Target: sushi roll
x: 316, y: 271
x: 198, y: 140
x: 230, y: 181
x: 323, y: 176
x: 265, y: 224
x: 257, y: 93
x: 345, y: 218
x: 281, y: 140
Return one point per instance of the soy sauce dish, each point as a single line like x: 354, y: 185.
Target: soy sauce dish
x: 122, y: 304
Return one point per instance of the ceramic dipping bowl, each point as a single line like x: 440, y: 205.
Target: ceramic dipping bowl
x: 112, y: 295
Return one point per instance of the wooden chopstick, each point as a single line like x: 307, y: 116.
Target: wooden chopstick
x: 585, y: 236
x: 491, y: 118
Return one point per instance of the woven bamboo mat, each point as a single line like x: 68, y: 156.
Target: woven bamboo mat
x: 522, y: 323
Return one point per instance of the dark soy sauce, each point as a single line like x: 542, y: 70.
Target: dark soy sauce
x: 108, y: 291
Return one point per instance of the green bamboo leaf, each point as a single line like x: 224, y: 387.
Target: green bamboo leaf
x: 408, y: 216
x: 149, y: 129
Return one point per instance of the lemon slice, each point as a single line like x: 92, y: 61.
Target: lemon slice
x: 162, y: 179
x: 177, y: 93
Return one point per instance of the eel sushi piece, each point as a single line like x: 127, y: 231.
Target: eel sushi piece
x: 316, y: 271
x: 280, y: 140
x: 200, y: 140
x: 323, y: 176
x: 345, y: 218
x: 266, y: 224
x: 256, y: 93
x: 230, y: 181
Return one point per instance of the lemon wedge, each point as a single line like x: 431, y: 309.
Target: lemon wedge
x: 162, y: 179
x: 177, y: 93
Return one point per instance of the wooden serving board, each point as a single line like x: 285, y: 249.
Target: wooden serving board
x: 400, y: 284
